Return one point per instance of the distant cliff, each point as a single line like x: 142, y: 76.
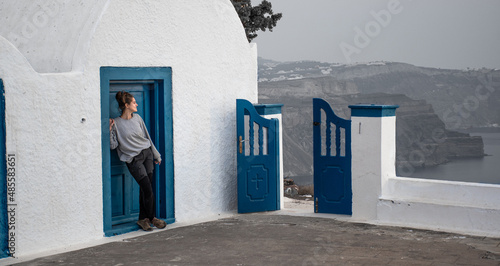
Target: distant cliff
x: 422, y: 137
x: 461, y: 98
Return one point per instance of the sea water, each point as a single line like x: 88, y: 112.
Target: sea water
x: 478, y: 170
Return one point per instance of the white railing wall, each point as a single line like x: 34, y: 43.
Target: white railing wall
x: 379, y: 196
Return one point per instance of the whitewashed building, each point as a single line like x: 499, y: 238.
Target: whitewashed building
x: 61, y: 62
x: 186, y: 62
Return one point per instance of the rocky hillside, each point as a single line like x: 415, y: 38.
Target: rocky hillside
x: 461, y: 98
x: 423, y: 139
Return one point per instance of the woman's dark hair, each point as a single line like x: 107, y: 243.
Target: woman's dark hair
x: 123, y: 97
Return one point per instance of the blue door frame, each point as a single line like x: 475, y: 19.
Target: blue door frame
x: 257, y: 159
x: 332, y: 161
x: 163, y: 132
x: 4, y: 226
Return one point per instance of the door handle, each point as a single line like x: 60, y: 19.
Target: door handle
x: 241, y: 143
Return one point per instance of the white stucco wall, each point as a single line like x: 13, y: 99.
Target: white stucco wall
x: 381, y: 197
x: 366, y: 163
x: 59, y: 195
x: 59, y: 179
x: 47, y: 32
x: 211, y: 68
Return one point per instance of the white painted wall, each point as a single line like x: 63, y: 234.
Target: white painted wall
x: 381, y: 197
x: 366, y: 166
x: 212, y: 65
x: 48, y: 32
x: 59, y: 178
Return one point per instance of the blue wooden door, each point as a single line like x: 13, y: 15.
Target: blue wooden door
x: 257, y: 159
x: 332, y: 160
x: 124, y: 188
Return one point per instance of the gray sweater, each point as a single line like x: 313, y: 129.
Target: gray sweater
x: 131, y: 137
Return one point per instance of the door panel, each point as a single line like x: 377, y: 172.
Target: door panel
x: 124, y: 188
x: 117, y: 193
x: 258, y: 163
x: 332, y: 161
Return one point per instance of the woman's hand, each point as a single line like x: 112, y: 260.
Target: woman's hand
x: 157, y: 162
x: 111, y: 123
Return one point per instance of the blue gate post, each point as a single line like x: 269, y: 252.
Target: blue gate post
x: 274, y: 111
x: 373, y: 143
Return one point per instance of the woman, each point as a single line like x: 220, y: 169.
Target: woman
x: 128, y: 133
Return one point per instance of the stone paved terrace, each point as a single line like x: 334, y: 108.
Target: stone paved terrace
x: 289, y: 237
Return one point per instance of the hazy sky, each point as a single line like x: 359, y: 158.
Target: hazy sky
x: 434, y: 33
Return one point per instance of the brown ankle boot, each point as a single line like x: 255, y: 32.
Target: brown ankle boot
x: 144, y: 224
x: 160, y: 224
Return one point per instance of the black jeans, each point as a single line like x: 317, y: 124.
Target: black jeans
x: 141, y: 168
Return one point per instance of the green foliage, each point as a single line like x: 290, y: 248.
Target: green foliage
x: 254, y: 18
